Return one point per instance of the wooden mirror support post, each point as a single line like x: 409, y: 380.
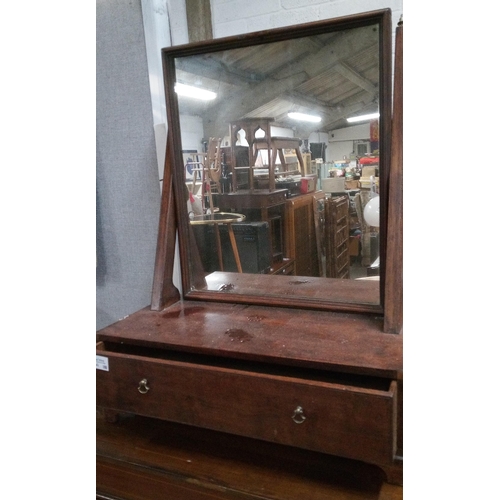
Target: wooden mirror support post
x: 326, y: 382
x: 164, y: 291
x: 393, y: 317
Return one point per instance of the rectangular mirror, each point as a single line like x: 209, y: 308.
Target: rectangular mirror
x: 280, y: 198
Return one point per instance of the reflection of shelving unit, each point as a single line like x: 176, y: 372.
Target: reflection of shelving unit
x: 337, y: 237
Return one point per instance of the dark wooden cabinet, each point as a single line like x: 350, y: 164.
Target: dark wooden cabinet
x: 301, y: 236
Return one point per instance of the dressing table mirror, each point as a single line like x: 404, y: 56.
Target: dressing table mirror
x: 241, y: 96
x: 255, y: 343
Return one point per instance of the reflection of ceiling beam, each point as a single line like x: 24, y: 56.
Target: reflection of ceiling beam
x: 336, y: 120
x: 241, y: 103
x: 355, y: 78
x: 217, y: 71
x: 347, y: 45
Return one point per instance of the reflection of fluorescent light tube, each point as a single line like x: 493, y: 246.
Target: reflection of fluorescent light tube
x: 362, y: 118
x: 195, y: 92
x: 304, y: 117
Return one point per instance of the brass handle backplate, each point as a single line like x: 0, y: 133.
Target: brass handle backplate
x: 143, y: 386
x: 298, y: 415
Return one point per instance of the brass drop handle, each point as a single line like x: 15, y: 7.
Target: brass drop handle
x: 298, y: 415
x: 143, y: 386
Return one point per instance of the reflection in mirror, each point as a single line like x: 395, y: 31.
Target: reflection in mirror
x: 278, y: 180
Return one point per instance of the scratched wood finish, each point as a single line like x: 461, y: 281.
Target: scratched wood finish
x: 316, y: 339
x: 301, y: 291
x: 146, y: 459
x: 353, y: 421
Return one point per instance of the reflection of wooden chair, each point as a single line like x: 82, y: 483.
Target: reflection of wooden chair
x: 208, y: 170
x: 278, y: 144
x: 258, y: 134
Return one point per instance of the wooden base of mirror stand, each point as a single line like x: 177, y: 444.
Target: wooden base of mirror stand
x: 319, y: 381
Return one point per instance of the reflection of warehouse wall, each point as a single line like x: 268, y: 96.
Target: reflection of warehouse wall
x: 341, y: 142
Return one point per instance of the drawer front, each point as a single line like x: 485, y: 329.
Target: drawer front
x: 342, y: 420
x: 284, y: 268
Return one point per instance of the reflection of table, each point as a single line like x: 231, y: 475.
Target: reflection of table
x: 260, y: 205
x: 222, y: 218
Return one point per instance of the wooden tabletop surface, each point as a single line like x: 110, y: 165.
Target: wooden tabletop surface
x: 140, y: 458
x: 348, y: 342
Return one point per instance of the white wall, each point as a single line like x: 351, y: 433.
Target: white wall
x: 161, y: 29
x: 233, y: 17
x: 341, y: 141
x: 191, y: 132
x: 165, y: 24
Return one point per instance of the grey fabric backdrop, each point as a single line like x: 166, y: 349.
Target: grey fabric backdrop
x: 128, y: 190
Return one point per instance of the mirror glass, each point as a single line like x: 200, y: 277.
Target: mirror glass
x: 278, y: 193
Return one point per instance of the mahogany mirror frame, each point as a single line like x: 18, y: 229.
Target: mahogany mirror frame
x: 173, y: 217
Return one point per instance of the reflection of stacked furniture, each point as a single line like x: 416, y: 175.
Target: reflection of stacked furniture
x: 284, y: 223
x: 207, y: 170
x: 292, y: 224
x: 278, y: 145
x: 255, y: 133
x: 260, y: 206
x: 369, y: 171
x: 305, y: 235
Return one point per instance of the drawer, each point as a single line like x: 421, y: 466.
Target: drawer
x: 288, y: 407
x: 286, y: 267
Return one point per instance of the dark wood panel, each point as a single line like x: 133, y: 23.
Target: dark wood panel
x: 394, y: 281
x: 164, y: 292
x: 302, y: 292
x: 346, y: 420
x: 300, y: 235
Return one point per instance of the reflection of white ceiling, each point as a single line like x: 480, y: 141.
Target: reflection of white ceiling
x: 334, y: 75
